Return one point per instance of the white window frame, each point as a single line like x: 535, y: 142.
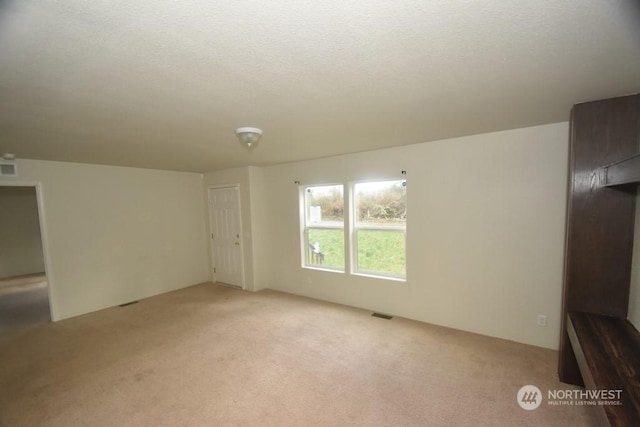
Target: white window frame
x: 306, y: 225
x: 350, y: 228
x: 354, y: 228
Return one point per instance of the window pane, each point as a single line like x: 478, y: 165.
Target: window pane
x: 325, y: 248
x: 381, y: 251
x: 325, y: 205
x: 381, y: 203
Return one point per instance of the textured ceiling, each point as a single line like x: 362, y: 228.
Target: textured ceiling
x: 163, y: 83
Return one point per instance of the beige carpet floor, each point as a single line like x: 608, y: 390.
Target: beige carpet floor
x: 214, y: 356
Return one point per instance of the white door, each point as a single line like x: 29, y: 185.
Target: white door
x: 226, y: 232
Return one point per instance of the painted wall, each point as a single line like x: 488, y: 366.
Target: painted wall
x: 634, y: 291
x: 248, y: 178
x: 485, y: 233
x: 20, y: 245
x: 259, y: 227
x: 117, y: 234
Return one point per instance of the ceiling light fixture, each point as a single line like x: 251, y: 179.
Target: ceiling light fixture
x: 249, y: 136
x: 8, y: 156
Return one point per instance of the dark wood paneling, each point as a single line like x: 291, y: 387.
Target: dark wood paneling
x: 568, y: 367
x: 608, y: 353
x: 584, y: 366
x: 624, y: 172
x: 600, y: 219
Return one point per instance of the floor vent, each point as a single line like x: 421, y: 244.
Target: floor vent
x: 128, y: 303
x: 382, y: 316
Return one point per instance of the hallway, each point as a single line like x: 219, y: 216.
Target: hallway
x: 24, y: 302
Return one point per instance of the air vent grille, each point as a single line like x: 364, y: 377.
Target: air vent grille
x: 8, y: 169
x: 382, y: 316
x: 128, y: 303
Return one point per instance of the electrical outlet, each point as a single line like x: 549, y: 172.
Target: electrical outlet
x: 542, y: 320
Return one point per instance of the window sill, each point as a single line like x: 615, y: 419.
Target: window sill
x: 330, y: 270
x: 377, y: 276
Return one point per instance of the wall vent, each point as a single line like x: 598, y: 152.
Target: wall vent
x: 8, y: 169
x: 128, y: 303
x: 382, y: 316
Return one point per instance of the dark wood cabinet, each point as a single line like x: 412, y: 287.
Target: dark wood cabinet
x: 604, y: 169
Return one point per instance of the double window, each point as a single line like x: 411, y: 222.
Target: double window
x: 369, y: 235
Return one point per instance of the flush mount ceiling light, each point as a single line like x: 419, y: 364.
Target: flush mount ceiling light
x: 8, y: 156
x: 249, y: 136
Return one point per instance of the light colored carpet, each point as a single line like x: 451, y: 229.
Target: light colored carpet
x: 215, y: 356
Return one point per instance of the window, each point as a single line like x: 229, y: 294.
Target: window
x: 379, y: 231
x: 376, y: 231
x: 323, y: 234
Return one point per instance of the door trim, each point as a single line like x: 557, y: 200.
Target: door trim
x: 211, y: 248
x: 48, y: 271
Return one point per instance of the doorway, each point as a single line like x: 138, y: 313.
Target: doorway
x: 24, y: 289
x: 226, y: 236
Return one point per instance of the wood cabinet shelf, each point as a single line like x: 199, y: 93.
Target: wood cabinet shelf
x: 608, y: 353
x: 626, y: 171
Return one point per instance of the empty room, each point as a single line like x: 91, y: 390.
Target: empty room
x: 319, y: 213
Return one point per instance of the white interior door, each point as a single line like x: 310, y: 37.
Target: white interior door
x: 226, y: 232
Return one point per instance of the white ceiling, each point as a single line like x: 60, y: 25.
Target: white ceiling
x: 163, y: 83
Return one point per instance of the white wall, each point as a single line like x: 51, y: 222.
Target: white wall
x: 115, y: 234
x: 634, y: 291
x: 485, y: 234
x: 248, y: 179
x: 485, y: 231
x: 259, y: 227
x: 20, y: 245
